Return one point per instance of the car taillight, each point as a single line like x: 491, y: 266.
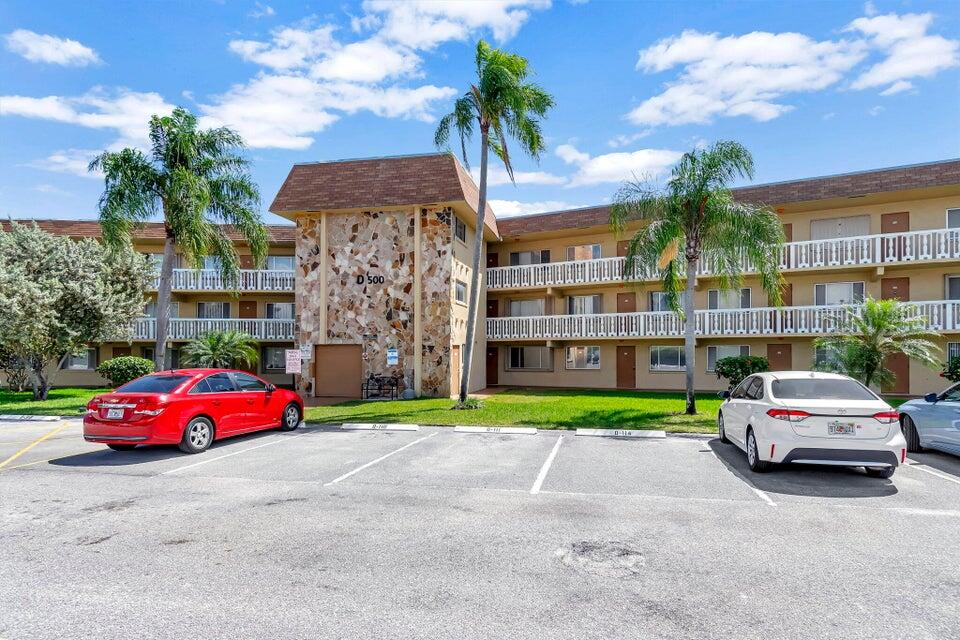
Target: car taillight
x: 789, y: 415
x: 887, y: 417
x: 149, y: 409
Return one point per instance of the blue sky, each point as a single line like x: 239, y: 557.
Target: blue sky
x: 811, y: 88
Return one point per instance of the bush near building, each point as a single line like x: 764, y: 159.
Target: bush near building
x: 123, y: 369
x: 735, y: 368
x: 951, y: 370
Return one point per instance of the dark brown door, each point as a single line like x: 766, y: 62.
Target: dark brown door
x: 493, y: 260
x: 337, y: 370
x: 248, y: 308
x: 899, y: 365
x: 626, y: 367
x: 493, y: 308
x: 788, y: 231
x: 121, y: 351
x: 786, y: 294
x: 780, y: 357
x: 455, y: 369
x: 895, y: 289
x: 626, y: 302
x: 246, y: 261
x: 622, y: 248
x: 895, y: 222
x: 493, y: 365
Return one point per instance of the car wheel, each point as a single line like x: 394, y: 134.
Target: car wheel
x: 753, y: 455
x: 723, y: 432
x: 122, y: 447
x: 881, y: 472
x: 290, y: 419
x: 910, y: 433
x: 198, y: 436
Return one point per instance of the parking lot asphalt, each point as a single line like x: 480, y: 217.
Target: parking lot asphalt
x: 437, y: 534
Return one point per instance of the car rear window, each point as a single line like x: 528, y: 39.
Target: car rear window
x: 820, y: 389
x: 154, y: 384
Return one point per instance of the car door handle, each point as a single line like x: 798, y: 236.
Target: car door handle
x: 215, y: 403
x: 249, y: 400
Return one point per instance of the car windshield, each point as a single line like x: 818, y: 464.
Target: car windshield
x: 820, y: 389
x: 164, y: 383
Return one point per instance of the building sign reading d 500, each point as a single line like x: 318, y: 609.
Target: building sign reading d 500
x: 369, y: 278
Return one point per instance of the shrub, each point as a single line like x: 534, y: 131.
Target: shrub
x: 951, y: 370
x: 736, y: 368
x: 123, y: 369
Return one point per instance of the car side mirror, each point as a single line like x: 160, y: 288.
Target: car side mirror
x: 931, y: 397
x: 725, y: 394
x: 271, y: 388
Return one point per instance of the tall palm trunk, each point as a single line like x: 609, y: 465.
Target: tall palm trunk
x: 475, y: 278
x: 690, y: 335
x: 163, y: 303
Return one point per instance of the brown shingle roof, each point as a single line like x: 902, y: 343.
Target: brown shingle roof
x: 931, y: 174
x: 150, y: 231
x: 378, y: 182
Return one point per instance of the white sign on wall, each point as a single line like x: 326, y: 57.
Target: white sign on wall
x: 306, y: 351
x: 293, y: 361
x: 392, y: 357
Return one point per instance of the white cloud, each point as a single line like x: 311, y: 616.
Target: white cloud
x: 910, y: 51
x: 511, y: 208
x: 72, y: 161
x: 616, y: 167
x: 262, y: 11
x: 124, y: 111
x: 875, y: 111
x: 497, y: 175
x: 367, y: 61
x: 624, y: 140
x: 37, y: 47
x: 290, y: 48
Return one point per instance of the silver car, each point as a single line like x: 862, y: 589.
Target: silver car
x: 933, y: 422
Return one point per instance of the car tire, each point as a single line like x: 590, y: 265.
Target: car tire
x: 881, y: 472
x: 911, y: 435
x: 122, y: 447
x: 197, y: 436
x: 753, y: 455
x: 290, y: 418
x: 721, y: 430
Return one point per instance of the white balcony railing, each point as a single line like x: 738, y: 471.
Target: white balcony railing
x: 941, y: 316
x: 263, y: 329
x: 892, y: 248
x: 249, y: 280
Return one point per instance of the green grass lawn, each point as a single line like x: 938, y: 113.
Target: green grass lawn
x: 545, y: 409
x: 67, y: 401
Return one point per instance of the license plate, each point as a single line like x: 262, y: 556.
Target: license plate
x: 114, y: 414
x: 842, y: 428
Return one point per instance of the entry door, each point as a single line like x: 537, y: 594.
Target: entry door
x: 493, y: 365
x: 895, y: 289
x: 337, y: 370
x: 493, y: 260
x: 780, y: 357
x: 788, y: 231
x: 786, y: 293
x: 626, y: 367
x: 895, y: 223
x: 626, y: 302
x: 493, y: 308
x: 455, y: 369
x: 622, y: 248
x: 248, y: 309
x: 899, y: 365
x: 121, y: 351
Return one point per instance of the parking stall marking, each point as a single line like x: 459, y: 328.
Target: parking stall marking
x: 378, y: 460
x: 46, y: 436
x: 232, y: 453
x: 759, y: 492
x: 535, y: 489
x: 920, y: 467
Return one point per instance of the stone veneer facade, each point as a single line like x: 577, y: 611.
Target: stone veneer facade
x: 374, y: 315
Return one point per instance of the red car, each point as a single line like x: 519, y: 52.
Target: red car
x: 190, y: 408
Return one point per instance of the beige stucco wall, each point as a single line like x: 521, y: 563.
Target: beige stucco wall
x: 462, y: 269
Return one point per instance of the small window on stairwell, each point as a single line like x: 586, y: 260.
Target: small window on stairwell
x: 953, y: 288
x: 953, y: 218
x: 459, y: 229
x: 460, y: 291
x: 953, y: 350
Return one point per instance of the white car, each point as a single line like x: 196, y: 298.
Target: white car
x: 810, y: 417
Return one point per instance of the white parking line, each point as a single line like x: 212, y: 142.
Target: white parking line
x: 760, y: 493
x: 232, y: 453
x: 764, y: 496
x: 535, y: 489
x: 380, y: 459
x: 919, y: 467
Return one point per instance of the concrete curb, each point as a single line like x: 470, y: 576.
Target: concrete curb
x: 365, y: 426
x: 623, y: 433
x: 505, y: 430
x: 31, y: 418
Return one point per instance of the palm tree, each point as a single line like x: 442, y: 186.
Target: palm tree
x: 501, y: 104
x: 196, y: 179
x: 693, y: 218
x: 222, y: 349
x: 874, y: 331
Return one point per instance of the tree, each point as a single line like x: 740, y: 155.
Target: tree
x: 222, y: 349
x: 14, y: 369
x: 502, y: 104
x: 735, y: 369
x: 693, y: 218
x: 196, y: 179
x: 870, y: 333
x: 58, y: 295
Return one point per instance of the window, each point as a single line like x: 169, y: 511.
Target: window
x: 247, y: 382
x: 725, y: 351
x: 580, y: 305
x: 460, y: 291
x: 213, y: 309
x: 83, y: 361
x: 280, y: 263
x: 172, y: 357
x: 518, y: 258
x: 824, y: 358
x: 583, y: 357
x: 732, y: 299
x: 840, y: 228
x: 280, y: 310
x: 150, y: 310
x: 529, y: 358
x: 157, y: 383
x: 667, y: 359
x: 837, y: 293
x: 820, y: 389
x: 584, y: 252
x: 741, y: 390
x: 953, y: 350
x: 459, y: 229
x: 953, y: 287
x: 521, y: 308
x: 211, y: 262
x: 754, y: 391
x: 953, y: 218
x: 216, y: 383
x: 658, y: 301
x: 274, y: 359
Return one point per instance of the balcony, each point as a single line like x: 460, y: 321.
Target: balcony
x: 940, y: 316
x: 264, y: 330
x: 862, y: 251
x: 249, y: 280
